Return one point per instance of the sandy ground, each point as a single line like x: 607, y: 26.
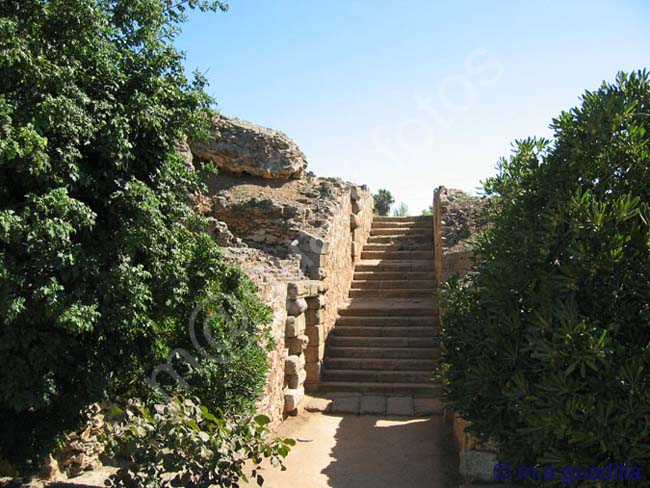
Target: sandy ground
x: 350, y: 451
x: 366, y: 452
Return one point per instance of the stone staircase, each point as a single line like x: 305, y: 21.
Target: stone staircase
x: 385, y: 341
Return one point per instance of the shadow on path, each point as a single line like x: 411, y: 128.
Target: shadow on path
x: 381, y: 453
x: 351, y: 451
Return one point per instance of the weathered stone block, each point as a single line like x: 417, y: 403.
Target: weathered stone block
x: 294, y: 364
x: 296, y: 380
x: 402, y: 406
x: 356, y: 251
x: 372, y: 405
x: 312, y: 260
x: 354, y: 221
x: 428, y: 406
x: 313, y: 244
x: 317, y: 404
x: 477, y: 465
x: 314, y: 316
x: 316, y: 273
x: 304, y: 288
x: 314, y: 353
x: 295, y: 326
x: 296, y: 306
x: 292, y: 398
x: 297, y: 344
x: 346, y: 405
x: 313, y: 371
x: 316, y: 302
x: 316, y: 334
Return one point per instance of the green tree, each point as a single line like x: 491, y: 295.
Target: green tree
x: 383, y: 201
x: 102, y: 263
x: 547, y: 350
x: 428, y: 211
x: 401, y: 210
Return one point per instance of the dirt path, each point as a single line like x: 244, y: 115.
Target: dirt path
x: 350, y: 451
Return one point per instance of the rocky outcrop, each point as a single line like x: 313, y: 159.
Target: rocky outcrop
x: 240, y: 147
x: 183, y: 148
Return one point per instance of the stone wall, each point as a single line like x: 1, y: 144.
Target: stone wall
x: 304, y: 281
x: 296, y: 235
x: 331, y: 261
x: 270, y: 275
x: 456, y: 218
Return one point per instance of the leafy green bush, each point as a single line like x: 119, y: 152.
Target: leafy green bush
x: 547, y: 349
x: 102, y: 263
x: 181, y: 443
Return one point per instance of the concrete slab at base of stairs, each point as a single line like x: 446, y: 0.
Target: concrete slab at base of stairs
x: 346, y: 405
x: 400, y: 406
x: 372, y: 405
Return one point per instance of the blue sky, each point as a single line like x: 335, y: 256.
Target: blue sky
x: 414, y: 94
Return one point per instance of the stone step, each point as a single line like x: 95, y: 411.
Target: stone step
x: 390, y: 293
x: 393, y: 389
x: 394, y: 275
x: 372, y: 341
x: 402, y: 231
x: 375, y: 265
x: 411, y: 218
x: 399, y: 238
x: 381, y: 364
x: 398, y: 255
x: 384, y: 352
x: 404, y: 331
x: 379, y: 321
x: 386, y: 284
x: 389, y: 308
x: 379, y: 376
x: 400, y: 246
x: 413, y: 224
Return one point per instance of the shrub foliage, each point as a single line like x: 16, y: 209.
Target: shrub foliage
x: 101, y: 260
x: 547, y: 349
x: 182, y: 443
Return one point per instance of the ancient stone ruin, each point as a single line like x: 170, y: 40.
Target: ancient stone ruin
x: 240, y: 147
x: 296, y: 236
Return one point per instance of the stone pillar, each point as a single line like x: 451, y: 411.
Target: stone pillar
x: 297, y: 340
x: 360, y: 219
x: 317, y: 333
x: 295, y: 344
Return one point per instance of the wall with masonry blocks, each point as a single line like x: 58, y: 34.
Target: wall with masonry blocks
x: 447, y: 264
x: 271, y: 403
x: 305, y: 298
x: 312, y: 304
